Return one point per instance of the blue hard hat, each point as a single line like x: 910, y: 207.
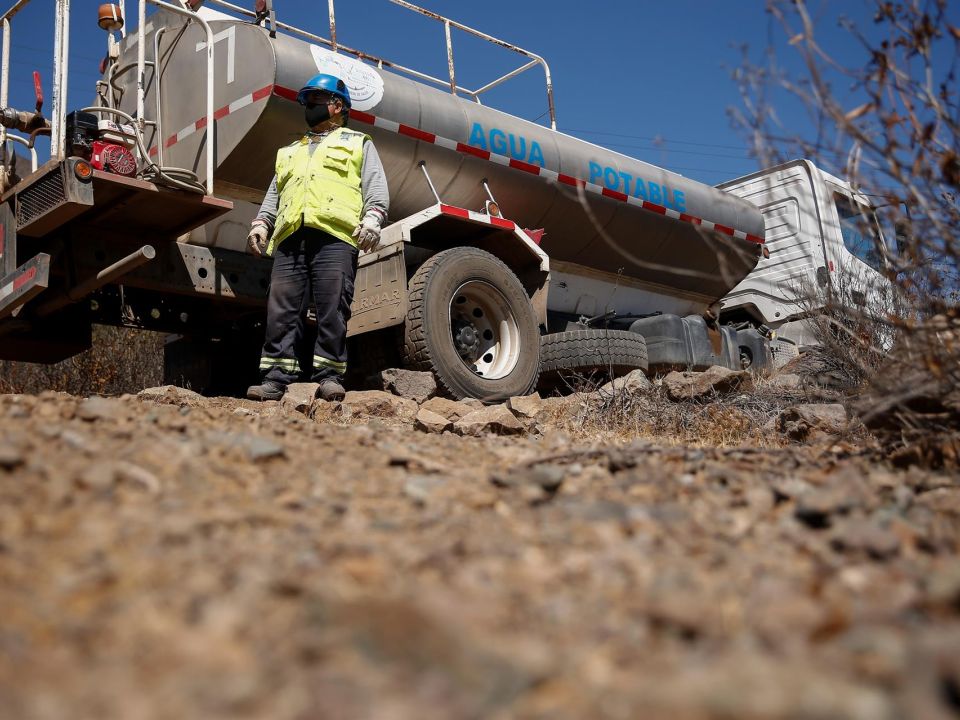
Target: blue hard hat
x: 328, y: 83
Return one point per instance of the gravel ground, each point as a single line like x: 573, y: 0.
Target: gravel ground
x: 215, y: 559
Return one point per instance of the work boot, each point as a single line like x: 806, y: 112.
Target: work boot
x: 329, y: 390
x: 267, y: 390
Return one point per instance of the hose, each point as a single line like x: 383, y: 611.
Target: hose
x: 170, y: 176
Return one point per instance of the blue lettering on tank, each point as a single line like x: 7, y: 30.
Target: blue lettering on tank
x: 655, y: 193
x: 536, y: 154
x: 610, y: 178
x: 502, y: 143
x: 627, y: 179
x: 595, y: 172
x: 679, y: 201
x: 498, y: 141
x: 640, y: 190
x: 515, y: 153
x: 477, y: 138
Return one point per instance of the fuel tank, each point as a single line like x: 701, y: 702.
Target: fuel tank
x: 608, y: 218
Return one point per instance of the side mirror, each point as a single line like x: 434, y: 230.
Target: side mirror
x: 903, y: 230
x: 823, y: 277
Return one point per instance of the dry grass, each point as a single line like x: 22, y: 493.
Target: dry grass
x: 121, y: 360
x: 746, y: 418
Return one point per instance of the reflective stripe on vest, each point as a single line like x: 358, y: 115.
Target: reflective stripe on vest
x: 320, y: 190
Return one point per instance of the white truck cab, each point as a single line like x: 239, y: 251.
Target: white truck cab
x: 824, y: 242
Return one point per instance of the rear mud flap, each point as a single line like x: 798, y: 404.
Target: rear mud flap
x: 23, y: 284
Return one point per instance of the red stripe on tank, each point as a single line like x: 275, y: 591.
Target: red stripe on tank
x: 286, y: 93
x: 501, y: 222
x: 413, y: 132
x: 471, y: 150
x: 614, y: 194
x: 417, y: 133
x: 755, y: 239
x: 363, y: 117
x: 526, y: 167
x: 262, y: 93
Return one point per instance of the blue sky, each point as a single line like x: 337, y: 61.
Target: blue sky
x: 649, y: 79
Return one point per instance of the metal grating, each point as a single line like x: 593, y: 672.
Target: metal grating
x: 40, y: 198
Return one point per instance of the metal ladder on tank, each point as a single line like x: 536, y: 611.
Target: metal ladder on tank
x: 266, y: 14
x: 61, y: 48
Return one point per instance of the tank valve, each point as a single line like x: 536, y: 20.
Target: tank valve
x: 23, y: 121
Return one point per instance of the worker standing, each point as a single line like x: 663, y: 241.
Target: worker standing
x: 326, y: 203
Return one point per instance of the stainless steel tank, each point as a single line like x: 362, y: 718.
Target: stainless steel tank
x: 602, y: 229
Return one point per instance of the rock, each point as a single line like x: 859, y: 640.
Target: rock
x: 634, y: 382
x: 99, y: 408
x: 97, y: 476
x: 867, y: 537
x: 547, y: 477
x: 255, y: 447
x: 323, y: 410
x: 526, y: 406
x: 420, y: 487
x: 409, y: 384
x: 815, y: 507
x: 10, y: 457
x: 495, y: 419
x: 170, y: 394
x: 377, y: 403
x: 127, y: 472
x: 450, y: 409
x: 714, y: 381
x: 812, y: 420
x: 943, y: 586
x: 785, y: 381
x: 430, y: 422
x: 299, y: 397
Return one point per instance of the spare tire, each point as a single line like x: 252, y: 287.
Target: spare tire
x: 606, y: 353
x: 471, y: 324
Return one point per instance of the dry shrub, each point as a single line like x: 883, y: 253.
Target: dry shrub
x: 717, y: 421
x: 121, y: 360
x: 913, y: 401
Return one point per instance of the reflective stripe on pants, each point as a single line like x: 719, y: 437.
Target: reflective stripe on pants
x: 308, y: 265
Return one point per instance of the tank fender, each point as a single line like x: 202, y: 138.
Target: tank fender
x: 441, y: 226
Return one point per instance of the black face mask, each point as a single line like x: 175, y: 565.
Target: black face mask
x: 316, y: 113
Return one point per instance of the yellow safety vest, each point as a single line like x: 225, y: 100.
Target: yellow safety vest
x: 320, y: 190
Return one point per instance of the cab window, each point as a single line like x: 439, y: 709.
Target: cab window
x: 858, y: 228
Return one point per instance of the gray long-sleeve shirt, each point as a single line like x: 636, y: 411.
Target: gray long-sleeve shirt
x: 373, y: 185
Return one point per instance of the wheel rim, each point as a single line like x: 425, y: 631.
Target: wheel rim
x: 484, y: 330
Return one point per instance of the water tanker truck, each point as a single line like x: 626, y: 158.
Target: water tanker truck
x: 512, y: 249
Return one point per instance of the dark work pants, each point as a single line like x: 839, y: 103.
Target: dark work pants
x: 308, y: 265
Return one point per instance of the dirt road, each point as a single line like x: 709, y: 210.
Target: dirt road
x: 185, y: 558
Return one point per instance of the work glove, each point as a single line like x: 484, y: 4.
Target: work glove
x: 257, y: 238
x: 367, y: 233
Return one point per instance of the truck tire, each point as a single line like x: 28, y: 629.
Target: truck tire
x: 608, y: 353
x: 471, y: 324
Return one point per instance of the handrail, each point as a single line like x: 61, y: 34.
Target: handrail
x: 381, y: 62
x: 448, y: 23
x: 5, y: 73
x: 141, y: 66
x: 28, y: 144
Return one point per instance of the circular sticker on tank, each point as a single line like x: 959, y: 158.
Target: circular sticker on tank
x: 363, y: 82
